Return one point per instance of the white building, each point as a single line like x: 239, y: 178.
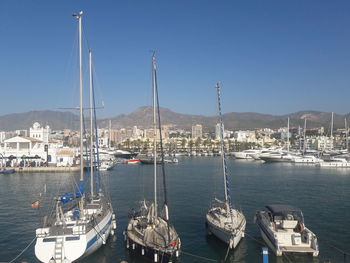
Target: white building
x: 217, y: 131
x: 65, y: 157
x: 197, y: 131
x: 40, y: 133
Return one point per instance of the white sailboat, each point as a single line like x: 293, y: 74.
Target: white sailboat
x: 149, y: 233
x: 82, y: 221
x: 225, y: 222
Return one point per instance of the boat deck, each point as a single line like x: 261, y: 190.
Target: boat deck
x: 299, y: 249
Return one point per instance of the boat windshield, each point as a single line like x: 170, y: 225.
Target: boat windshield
x: 286, y: 212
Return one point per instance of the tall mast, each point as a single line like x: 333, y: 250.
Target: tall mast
x: 346, y: 135
x: 79, y: 17
x: 332, y: 130
x: 288, y: 136
x: 92, y: 156
x: 109, y: 134
x: 304, y: 144
x: 223, y: 154
x: 155, y: 132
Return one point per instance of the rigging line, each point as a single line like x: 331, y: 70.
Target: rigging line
x: 24, y: 250
x: 200, y: 257
x: 227, y: 251
x: 253, y: 238
x: 166, y: 208
x: 160, y: 137
x: 338, y: 249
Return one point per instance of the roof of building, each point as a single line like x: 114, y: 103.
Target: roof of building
x: 66, y: 152
x: 21, y: 139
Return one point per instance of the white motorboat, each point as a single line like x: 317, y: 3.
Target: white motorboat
x: 282, y: 228
x: 273, y: 157
x: 335, y: 162
x: 82, y: 221
x: 307, y: 159
x: 246, y: 154
x: 222, y: 220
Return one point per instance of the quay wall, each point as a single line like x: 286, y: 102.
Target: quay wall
x: 47, y: 169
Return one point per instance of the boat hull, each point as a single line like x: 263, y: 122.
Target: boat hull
x: 74, y: 247
x: 152, y: 254
x: 232, y: 239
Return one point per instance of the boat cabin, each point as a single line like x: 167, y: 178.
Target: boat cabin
x: 285, y: 216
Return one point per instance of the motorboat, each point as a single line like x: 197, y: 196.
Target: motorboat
x: 282, y: 228
x: 335, y: 162
x: 307, y: 159
x: 247, y: 154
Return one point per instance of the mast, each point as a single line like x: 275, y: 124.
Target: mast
x: 79, y: 17
x: 332, y: 130
x: 155, y: 132
x: 304, y: 144
x: 224, y: 166
x: 92, y: 157
x: 109, y: 134
x: 288, y: 136
x: 346, y: 135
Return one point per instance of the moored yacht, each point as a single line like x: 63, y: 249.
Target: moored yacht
x: 246, y: 154
x: 335, y: 162
x: 149, y: 232
x: 282, y: 228
x: 307, y: 159
x: 222, y: 219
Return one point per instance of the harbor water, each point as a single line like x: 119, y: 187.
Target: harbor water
x: 322, y: 194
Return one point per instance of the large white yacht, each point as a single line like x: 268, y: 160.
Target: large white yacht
x: 282, y: 228
x: 335, y: 162
x: 246, y: 154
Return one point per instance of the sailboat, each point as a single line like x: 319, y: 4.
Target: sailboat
x: 149, y: 233
x: 222, y: 220
x: 82, y: 221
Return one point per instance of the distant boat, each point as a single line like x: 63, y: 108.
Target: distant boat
x: 124, y: 154
x: 133, y: 161
x: 246, y: 154
x: 149, y: 232
x: 282, y: 228
x: 335, y: 162
x: 225, y: 222
x: 7, y: 171
x: 74, y: 231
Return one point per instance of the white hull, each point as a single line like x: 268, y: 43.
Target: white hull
x: 72, y: 246
x: 335, y: 164
x: 284, y: 231
x: 226, y: 236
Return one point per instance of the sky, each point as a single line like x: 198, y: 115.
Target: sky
x: 273, y: 56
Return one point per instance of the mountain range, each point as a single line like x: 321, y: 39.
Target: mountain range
x: 142, y: 117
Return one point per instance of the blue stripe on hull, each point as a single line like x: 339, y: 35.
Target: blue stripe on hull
x: 99, y: 234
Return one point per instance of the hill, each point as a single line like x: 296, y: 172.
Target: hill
x: 143, y: 116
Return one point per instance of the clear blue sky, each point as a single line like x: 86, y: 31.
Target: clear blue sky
x: 271, y: 56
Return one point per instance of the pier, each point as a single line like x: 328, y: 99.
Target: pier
x: 52, y: 169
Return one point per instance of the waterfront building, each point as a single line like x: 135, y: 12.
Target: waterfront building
x: 197, y: 131
x: 217, y: 131
x: 66, y: 157
x: 40, y: 133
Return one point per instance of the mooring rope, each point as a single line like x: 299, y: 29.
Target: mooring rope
x: 200, y: 257
x: 24, y: 250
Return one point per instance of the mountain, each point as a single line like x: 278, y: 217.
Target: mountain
x: 143, y: 116
x: 57, y: 120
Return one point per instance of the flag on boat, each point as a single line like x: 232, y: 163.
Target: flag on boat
x: 36, y: 204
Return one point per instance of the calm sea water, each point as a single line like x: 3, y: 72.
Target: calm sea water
x: 322, y: 194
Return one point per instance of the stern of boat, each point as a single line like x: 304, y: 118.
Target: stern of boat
x: 49, y: 247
